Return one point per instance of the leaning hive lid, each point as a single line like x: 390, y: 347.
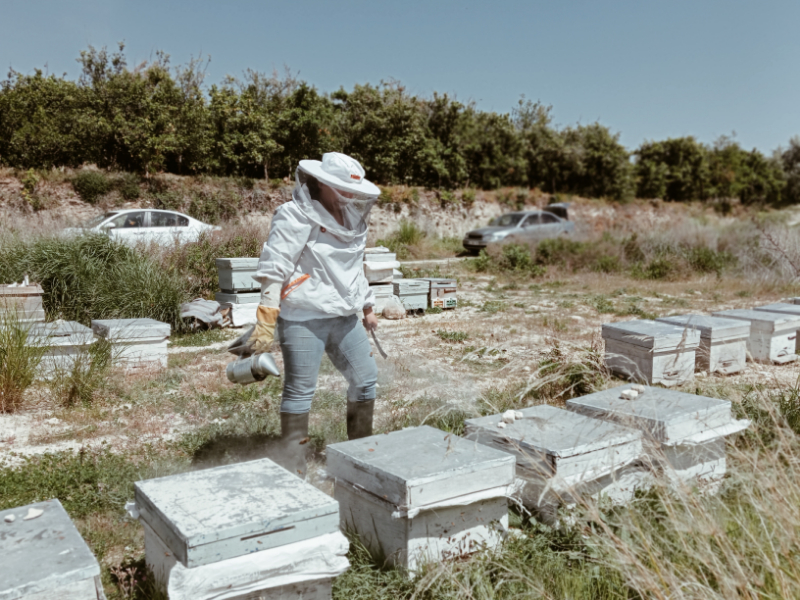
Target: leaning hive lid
x: 710, y: 328
x: 60, y: 333
x: 651, y: 334
x: 420, y: 466
x: 241, y: 502
x: 765, y: 321
x: 237, y: 264
x: 780, y: 307
x: 668, y: 416
x: 126, y: 329
x: 556, y: 432
x: 42, y: 555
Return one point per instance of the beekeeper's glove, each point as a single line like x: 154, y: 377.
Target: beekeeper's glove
x: 266, y: 318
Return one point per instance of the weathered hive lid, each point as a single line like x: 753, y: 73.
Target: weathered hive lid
x: 667, y: 416
x: 43, y: 555
x: 420, y: 466
x: 237, y: 264
x: 385, y: 256
x: 651, y: 334
x: 440, y: 281
x: 60, y: 333
x: 780, y: 307
x: 556, y: 432
x: 376, y: 250
x: 209, y: 515
x: 710, y: 328
x: 764, y: 321
x: 412, y: 285
x: 128, y: 329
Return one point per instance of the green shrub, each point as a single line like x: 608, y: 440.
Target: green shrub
x: 608, y: 264
x: 19, y: 360
x: 481, y: 263
x: 128, y: 186
x: 706, y: 260
x: 85, y: 377
x: 659, y: 268
x: 452, y: 336
x: 91, y: 185
x: 516, y: 257
x: 468, y: 197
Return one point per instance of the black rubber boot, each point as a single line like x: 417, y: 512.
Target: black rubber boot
x: 294, y: 437
x: 359, y: 419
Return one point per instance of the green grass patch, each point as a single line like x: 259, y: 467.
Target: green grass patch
x: 452, y: 336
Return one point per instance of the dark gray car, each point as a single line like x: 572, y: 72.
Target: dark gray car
x: 521, y: 227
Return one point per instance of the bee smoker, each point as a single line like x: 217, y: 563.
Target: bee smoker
x: 252, y: 369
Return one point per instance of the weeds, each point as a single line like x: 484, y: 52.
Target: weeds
x: 19, y: 360
x: 85, y: 376
x: 452, y: 336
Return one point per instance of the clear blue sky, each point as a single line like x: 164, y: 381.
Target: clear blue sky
x: 646, y: 69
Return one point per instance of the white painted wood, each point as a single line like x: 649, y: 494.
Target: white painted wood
x: 65, y: 343
x: 773, y: 336
x: 667, y: 367
x: 24, y: 302
x: 419, y: 466
x: 723, y: 342
x: 238, y: 298
x: 722, y: 357
x: 652, y: 335
x: 236, y: 274
x: 443, y: 292
x: 413, y: 293
x: 135, y: 343
x: 220, y: 513
x: 130, y: 329
x: 379, y: 257
x: 431, y: 536
x: 45, y: 557
x: 704, y: 461
x: 783, y: 308
x: 320, y: 589
x: 714, y: 329
x: 380, y: 272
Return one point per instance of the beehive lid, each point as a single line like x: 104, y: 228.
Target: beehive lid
x: 420, y: 466
x: 440, y: 281
x: 233, y: 509
x: 557, y: 432
x: 652, y: 335
x: 128, y: 329
x: 20, y: 291
x: 412, y: 285
x: 376, y: 250
x: 780, y: 307
x: 237, y: 264
x: 42, y: 555
x: 380, y: 257
x: 711, y: 328
x: 60, y: 333
x: 764, y: 321
x: 667, y: 416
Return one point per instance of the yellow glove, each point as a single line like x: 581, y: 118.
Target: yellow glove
x: 264, y: 333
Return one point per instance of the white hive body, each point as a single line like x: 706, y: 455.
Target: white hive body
x: 784, y: 309
x: 379, y: 265
x: 773, y: 336
x: 563, y: 456
x: 723, y: 342
x: 443, y: 292
x: 23, y: 303
x: 413, y: 293
x: 421, y: 495
x: 383, y: 296
x: 238, y: 298
x: 45, y: 558
x: 236, y: 274
x: 683, y: 432
x: 135, y: 343
x: 65, y: 342
x: 651, y: 352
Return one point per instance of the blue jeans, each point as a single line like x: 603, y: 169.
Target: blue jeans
x: 345, y: 341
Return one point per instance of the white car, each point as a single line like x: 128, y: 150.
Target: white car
x: 136, y: 225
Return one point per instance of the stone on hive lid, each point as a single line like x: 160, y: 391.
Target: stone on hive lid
x: 651, y: 335
x: 710, y: 328
x: 215, y: 514
x: 45, y: 557
x: 419, y: 466
x: 130, y: 329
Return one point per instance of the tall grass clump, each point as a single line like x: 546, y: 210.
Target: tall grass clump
x: 80, y: 381
x: 19, y: 360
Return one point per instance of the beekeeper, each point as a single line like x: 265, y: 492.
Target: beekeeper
x: 312, y: 289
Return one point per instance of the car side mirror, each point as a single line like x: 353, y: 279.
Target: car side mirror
x: 109, y: 226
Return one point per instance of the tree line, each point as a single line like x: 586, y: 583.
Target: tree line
x: 154, y: 118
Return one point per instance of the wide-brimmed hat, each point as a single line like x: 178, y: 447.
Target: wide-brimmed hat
x: 341, y: 172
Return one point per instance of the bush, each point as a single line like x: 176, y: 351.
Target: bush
x: 128, y: 186
x: 706, y: 260
x: 91, y: 185
x: 452, y: 336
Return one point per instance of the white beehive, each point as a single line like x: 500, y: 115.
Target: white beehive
x: 723, y: 342
x: 135, y: 343
x: 562, y: 456
x: 44, y: 557
x: 66, y: 342
x: 442, y: 293
x: 772, y: 336
x: 413, y: 293
x: 421, y: 494
x: 383, y: 295
x: 238, y: 298
x: 236, y: 274
x: 650, y: 352
x: 684, y: 433
x: 786, y: 309
x: 24, y: 301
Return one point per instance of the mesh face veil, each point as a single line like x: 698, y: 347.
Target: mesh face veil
x: 343, y: 213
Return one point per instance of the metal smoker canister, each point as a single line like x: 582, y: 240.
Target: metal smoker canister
x: 250, y: 370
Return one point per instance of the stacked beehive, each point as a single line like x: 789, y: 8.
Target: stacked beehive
x: 442, y: 292
x: 135, y: 343
x: 239, y: 292
x: 44, y: 556
x: 246, y: 530
x: 784, y: 308
x: 413, y: 294
x: 23, y: 302
x: 443, y: 500
x: 379, y: 267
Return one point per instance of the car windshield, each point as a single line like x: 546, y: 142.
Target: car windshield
x: 97, y: 220
x: 509, y: 220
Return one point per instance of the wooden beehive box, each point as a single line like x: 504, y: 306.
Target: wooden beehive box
x: 24, y: 301
x: 413, y: 293
x: 383, y: 295
x: 45, y: 558
x: 238, y: 298
x: 65, y: 341
x: 723, y: 342
x: 421, y: 494
x: 216, y: 514
x: 236, y: 274
x: 650, y: 352
x: 785, y: 309
x: 443, y: 292
x: 773, y: 336
x: 683, y: 432
x: 135, y: 343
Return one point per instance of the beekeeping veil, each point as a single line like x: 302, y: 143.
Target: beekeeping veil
x: 334, y: 194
